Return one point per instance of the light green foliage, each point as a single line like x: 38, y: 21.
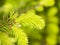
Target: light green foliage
x: 7, y: 8
x: 52, y: 29
x: 16, y: 3
x: 4, y: 39
x: 20, y: 36
x: 31, y: 20
x: 47, y: 3
x: 52, y: 11
x: 40, y: 8
x: 51, y: 40
x: 54, y: 20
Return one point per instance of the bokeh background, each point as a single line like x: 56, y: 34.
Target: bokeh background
x: 29, y: 22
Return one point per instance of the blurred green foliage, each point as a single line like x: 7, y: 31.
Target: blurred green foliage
x: 29, y: 22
